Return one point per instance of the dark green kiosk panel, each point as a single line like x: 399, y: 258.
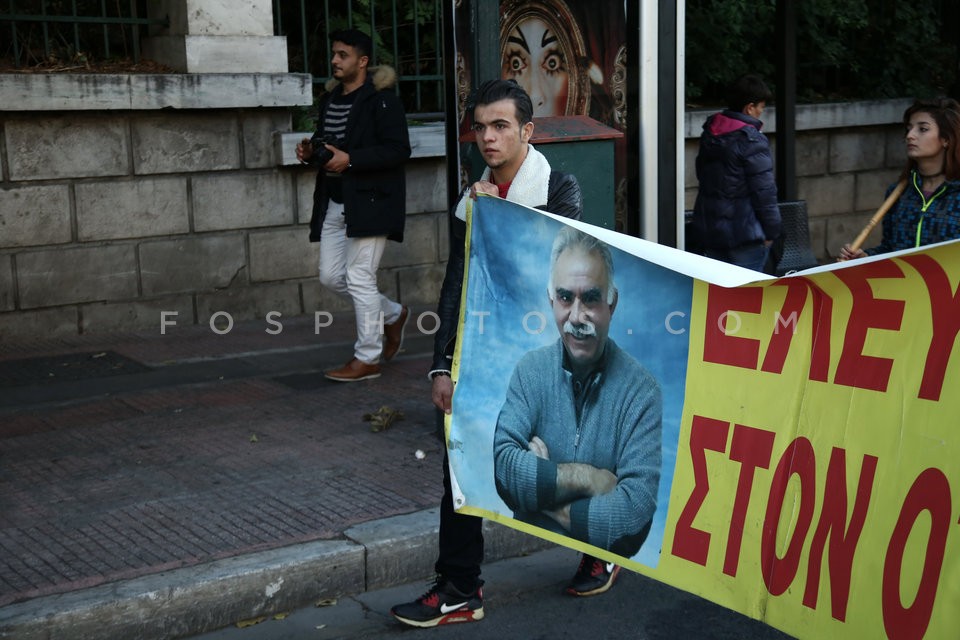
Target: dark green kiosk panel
x: 573, y: 144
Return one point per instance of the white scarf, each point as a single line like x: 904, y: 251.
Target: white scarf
x: 529, y: 187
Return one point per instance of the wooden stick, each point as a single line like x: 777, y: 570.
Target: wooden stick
x: 878, y: 216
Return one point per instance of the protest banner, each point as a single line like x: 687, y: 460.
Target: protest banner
x: 808, y: 439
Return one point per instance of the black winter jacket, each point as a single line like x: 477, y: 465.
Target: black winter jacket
x: 563, y: 199
x: 374, y: 187
x: 737, y: 196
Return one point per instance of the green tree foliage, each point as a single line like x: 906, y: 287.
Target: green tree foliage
x: 723, y: 39
x: 858, y: 49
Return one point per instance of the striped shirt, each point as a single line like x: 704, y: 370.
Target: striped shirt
x: 335, y: 117
x: 335, y: 127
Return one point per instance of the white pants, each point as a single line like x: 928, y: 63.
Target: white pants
x: 348, y: 266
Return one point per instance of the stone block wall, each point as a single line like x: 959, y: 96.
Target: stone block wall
x: 847, y: 155
x: 216, y: 36
x: 109, y: 217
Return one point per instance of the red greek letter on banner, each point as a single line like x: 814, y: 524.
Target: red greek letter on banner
x: 855, y: 369
x: 751, y: 448
x: 799, y: 459
x: 689, y: 542
x: 930, y: 492
x: 843, y: 538
x: 945, y: 311
x: 782, y: 339
x: 718, y: 346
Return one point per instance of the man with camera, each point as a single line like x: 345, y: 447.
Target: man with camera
x: 359, y: 201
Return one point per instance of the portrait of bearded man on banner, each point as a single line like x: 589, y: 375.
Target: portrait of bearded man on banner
x: 577, y: 444
x: 566, y: 420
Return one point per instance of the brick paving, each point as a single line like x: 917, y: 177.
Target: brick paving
x: 100, y: 488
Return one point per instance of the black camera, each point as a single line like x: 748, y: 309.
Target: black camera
x: 320, y: 152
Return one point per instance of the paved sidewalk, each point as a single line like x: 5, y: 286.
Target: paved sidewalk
x: 155, y: 486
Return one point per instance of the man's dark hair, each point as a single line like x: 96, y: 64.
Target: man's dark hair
x: 354, y: 38
x: 745, y: 90
x: 493, y: 90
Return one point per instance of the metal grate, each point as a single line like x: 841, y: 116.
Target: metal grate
x: 48, y: 32
x: 407, y: 35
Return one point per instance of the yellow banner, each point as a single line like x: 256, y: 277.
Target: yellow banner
x: 809, y: 449
x: 819, y: 446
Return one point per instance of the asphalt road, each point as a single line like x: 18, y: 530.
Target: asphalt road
x: 523, y: 599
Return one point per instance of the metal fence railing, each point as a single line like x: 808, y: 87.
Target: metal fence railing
x: 69, y: 34
x: 407, y: 35
x: 52, y: 33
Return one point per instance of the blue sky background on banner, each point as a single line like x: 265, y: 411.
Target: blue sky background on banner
x: 507, y: 291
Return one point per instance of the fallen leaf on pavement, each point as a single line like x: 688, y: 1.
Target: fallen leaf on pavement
x: 382, y: 418
x: 281, y: 616
x: 243, y: 624
x: 327, y: 602
x: 254, y: 438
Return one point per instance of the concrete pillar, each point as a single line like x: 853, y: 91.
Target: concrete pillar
x: 216, y: 36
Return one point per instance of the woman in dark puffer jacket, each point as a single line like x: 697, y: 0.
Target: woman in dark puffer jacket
x: 736, y: 217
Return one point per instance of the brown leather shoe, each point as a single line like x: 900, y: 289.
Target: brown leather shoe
x: 393, y: 334
x: 353, y: 371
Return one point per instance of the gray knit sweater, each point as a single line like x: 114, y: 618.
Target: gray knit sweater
x: 618, y: 430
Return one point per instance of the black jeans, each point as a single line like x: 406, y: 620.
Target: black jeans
x: 461, y: 538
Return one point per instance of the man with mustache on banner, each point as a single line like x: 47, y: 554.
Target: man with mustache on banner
x: 577, y: 441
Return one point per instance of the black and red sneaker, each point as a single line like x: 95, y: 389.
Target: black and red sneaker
x: 594, y: 576
x: 442, y: 604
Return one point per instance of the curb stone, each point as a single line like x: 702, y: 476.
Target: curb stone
x: 184, y: 602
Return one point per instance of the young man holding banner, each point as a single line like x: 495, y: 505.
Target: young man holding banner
x: 502, y: 121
